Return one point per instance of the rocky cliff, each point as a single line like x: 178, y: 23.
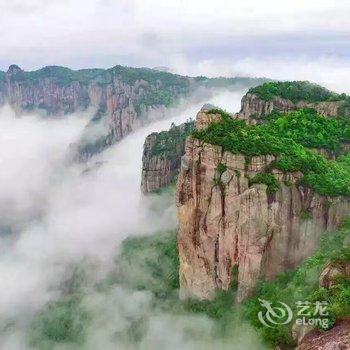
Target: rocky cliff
x: 161, y: 158
x: 232, y: 230
x: 253, y: 107
x: 121, y: 98
x: 287, y: 96
x: 334, y: 273
x: 338, y: 338
x: 156, y: 173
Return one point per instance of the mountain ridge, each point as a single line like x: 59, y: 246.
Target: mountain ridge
x: 124, y: 98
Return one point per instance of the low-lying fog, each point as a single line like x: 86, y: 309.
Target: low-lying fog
x: 54, y: 214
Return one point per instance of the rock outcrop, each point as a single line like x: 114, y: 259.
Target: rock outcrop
x: 299, y: 332
x: 338, y: 338
x: 225, y: 224
x: 333, y: 271
x: 161, y: 158
x: 253, y: 107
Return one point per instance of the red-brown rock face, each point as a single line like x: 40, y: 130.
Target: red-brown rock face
x: 338, y: 338
x: 224, y: 223
x: 332, y: 272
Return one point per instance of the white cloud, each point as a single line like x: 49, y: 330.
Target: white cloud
x: 103, y: 33
x: 63, y: 213
x: 330, y: 72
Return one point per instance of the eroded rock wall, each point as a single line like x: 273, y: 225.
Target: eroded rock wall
x: 253, y: 107
x: 224, y: 224
x: 161, y: 157
x: 158, y: 171
x: 120, y: 103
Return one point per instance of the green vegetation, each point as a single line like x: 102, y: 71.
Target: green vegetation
x: 63, y: 321
x: 288, y: 136
x: 128, y: 75
x: 305, y: 214
x: 2, y: 77
x: 160, y: 88
x: 171, y: 143
x: 296, y: 91
x: 147, y: 258
x: 221, y: 168
x: 223, y: 113
x: 302, y: 284
x: 62, y: 75
x: 154, y: 97
x: 167, y: 80
x: 150, y: 263
x: 268, y: 179
x: 88, y: 148
x: 310, y: 129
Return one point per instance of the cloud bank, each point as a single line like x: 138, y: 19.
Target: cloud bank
x: 56, y: 215
x: 279, y: 39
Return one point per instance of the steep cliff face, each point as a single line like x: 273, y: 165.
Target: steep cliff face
x: 121, y: 98
x: 254, y: 107
x: 161, y: 158
x: 226, y: 225
x: 287, y: 96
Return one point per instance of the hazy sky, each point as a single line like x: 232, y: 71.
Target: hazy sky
x: 292, y: 39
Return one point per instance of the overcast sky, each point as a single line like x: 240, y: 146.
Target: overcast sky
x: 286, y: 39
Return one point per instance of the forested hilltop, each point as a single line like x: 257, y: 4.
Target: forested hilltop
x: 291, y: 138
x: 296, y: 91
x: 292, y: 95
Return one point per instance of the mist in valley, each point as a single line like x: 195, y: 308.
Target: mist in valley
x: 62, y: 224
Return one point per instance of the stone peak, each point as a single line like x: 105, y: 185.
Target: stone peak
x: 205, y: 119
x: 14, y: 69
x: 208, y: 107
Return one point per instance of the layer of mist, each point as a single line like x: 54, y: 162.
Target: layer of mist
x: 55, y: 215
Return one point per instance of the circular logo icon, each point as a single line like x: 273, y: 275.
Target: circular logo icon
x: 274, y: 315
